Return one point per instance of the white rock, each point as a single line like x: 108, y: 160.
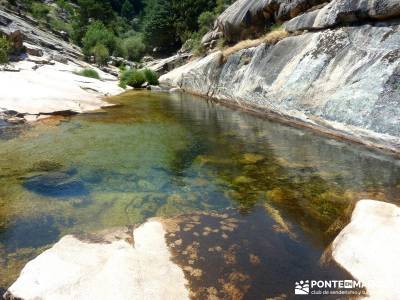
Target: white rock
x: 53, y: 88
x: 73, y: 269
x: 369, y: 248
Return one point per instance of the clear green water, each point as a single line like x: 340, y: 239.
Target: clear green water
x: 165, y: 155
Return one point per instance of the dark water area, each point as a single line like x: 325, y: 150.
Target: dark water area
x: 290, y: 191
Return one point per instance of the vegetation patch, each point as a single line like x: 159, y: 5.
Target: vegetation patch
x: 91, y: 73
x: 272, y: 37
x: 136, y: 78
x: 4, y: 49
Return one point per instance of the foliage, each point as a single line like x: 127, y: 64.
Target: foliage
x: 101, y: 54
x: 158, y: 24
x: 65, y: 7
x: 206, y: 21
x: 136, y: 78
x: 133, y: 47
x: 40, y: 10
x: 87, y: 72
x: 133, y: 78
x: 60, y: 25
x: 150, y: 76
x: 194, y: 44
x: 98, y: 34
x: 4, y: 49
x: 127, y: 10
x: 186, y: 13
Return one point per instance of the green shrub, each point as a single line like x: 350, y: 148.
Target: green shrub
x: 91, y: 73
x: 101, y: 54
x: 133, y: 78
x: 98, y: 34
x: 136, y: 78
x: 134, y: 47
x: 150, y: 76
x: 59, y: 25
x: 4, y: 49
x: 40, y: 10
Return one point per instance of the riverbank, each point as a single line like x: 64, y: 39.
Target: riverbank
x: 42, y: 78
x: 340, y: 80
x: 52, y: 89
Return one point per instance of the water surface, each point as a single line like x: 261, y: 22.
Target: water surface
x: 169, y: 155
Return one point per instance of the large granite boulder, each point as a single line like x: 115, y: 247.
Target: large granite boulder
x: 369, y: 248
x: 341, y: 81
x: 343, y: 12
x: 245, y: 18
x: 115, y: 265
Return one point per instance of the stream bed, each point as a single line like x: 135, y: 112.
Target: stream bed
x: 286, y: 191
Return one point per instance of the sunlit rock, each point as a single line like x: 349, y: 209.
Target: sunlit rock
x: 369, y: 248
x: 104, y: 268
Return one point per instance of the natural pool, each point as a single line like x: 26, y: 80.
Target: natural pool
x: 161, y: 154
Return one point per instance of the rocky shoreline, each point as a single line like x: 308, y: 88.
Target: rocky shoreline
x: 162, y: 258
x: 338, y: 76
x: 42, y: 78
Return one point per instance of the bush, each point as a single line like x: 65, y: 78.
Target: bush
x: 101, y: 54
x: 133, y: 78
x: 40, y: 11
x: 98, y: 34
x: 136, y: 78
x: 91, y: 73
x: 133, y: 48
x: 150, y: 76
x: 4, y: 49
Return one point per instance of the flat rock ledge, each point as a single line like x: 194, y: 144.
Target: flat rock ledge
x: 124, y: 266
x: 369, y: 248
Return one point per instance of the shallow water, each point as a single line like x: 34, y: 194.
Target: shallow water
x: 168, y: 155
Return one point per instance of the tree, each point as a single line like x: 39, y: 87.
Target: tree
x: 127, y: 10
x: 186, y: 13
x: 158, y: 25
x: 97, y: 33
x: 101, y: 54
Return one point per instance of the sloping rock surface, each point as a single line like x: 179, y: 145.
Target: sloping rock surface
x: 248, y: 17
x: 44, y: 80
x: 344, y: 11
x: 104, y: 269
x: 10, y: 22
x: 369, y: 247
x: 342, y: 81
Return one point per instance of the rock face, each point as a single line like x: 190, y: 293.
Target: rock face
x: 106, y: 268
x: 162, y: 66
x: 24, y: 29
x: 369, y: 248
x: 40, y: 89
x: 245, y: 18
x: 342, y: 81
x: 343, y: 12
x: 43, y: 81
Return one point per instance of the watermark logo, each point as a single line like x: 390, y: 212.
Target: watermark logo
x: 302, y: 287
x: 329, y: 287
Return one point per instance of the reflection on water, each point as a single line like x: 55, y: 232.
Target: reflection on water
x: 167, y: 155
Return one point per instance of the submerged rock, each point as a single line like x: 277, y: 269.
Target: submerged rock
x: 369, y: 248
x: 107, y: 267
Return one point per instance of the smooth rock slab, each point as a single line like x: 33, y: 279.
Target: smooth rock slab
x: 369, y: 248
x: 75, y: 269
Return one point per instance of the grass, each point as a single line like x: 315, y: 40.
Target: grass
x: 91, y: 73
x: 276, y: 34
x: 4, y: 49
